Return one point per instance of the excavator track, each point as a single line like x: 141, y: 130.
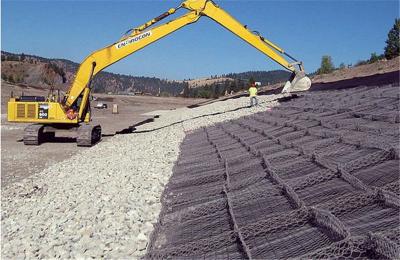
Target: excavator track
x: 88, y: 135
x: 33, y: 134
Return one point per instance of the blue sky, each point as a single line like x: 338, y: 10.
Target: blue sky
x: 346, y: 30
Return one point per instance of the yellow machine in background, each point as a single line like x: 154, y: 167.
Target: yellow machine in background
x: 73, y: 112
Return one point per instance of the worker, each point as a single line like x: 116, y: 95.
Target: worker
x: 253, y: 95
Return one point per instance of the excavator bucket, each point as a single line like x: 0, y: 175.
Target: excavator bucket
x: 299, y: 82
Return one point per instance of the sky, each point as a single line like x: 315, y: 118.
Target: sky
x: 348, y: 31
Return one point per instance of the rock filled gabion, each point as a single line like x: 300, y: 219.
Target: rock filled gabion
x: 314, y: 178
x: 105, y: 200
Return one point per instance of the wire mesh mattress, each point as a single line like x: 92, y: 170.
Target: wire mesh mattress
x: 317, y: 177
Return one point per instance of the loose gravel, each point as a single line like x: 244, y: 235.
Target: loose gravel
x: 103, y: 201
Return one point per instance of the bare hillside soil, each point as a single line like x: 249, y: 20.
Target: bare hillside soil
x: 375, y: 74
x: 206, y: 81
x: 379, y: 67
x: 19, y: 161
x: 34, y: 73
x: 371, y: 81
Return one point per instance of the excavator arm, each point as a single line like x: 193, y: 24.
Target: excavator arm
x: 144, y: 35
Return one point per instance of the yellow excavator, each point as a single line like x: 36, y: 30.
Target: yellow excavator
x: 73, y: 111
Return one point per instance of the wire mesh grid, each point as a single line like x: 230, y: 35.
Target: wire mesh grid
x: 317, y: 177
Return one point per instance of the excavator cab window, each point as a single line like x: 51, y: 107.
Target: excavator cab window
x: 77, y: 104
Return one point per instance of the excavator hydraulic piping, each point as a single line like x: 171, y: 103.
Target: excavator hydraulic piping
x: 290, y: 56
x: 91, y: 75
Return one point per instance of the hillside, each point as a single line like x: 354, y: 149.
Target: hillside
x: 42, y: 72
x: 195, y: 83
x: 346, y: 74
x: 223, y: 85
x: 265, y: 77
x: 378, y: 67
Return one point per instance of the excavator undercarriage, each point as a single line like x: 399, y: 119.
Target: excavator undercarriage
x: 86, y: 134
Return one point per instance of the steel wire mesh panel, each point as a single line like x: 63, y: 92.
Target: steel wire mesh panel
x: 316, y: 177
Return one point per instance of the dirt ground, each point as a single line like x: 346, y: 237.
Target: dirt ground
x: 19, y: 161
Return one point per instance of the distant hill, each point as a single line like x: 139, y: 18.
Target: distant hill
x: 265, y: 77
x: 217, y: 86
x: 38, y: 71
x: 42, y: 72
x: 201, y: 82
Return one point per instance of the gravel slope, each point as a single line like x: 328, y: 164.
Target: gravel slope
x: 103, y: 201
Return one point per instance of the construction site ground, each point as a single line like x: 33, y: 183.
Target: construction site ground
x: 19, y: 161
x: 314, y: 175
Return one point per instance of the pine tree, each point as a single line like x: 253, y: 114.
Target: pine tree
x: 326, y: 65
x: 374, y: 58
x: 251, y: 81
x: 392, y: 48
x: 186, y: 90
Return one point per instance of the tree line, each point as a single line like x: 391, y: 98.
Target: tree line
x: 391, y: 50
x: 235, y: 82
x: 215, y: 90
